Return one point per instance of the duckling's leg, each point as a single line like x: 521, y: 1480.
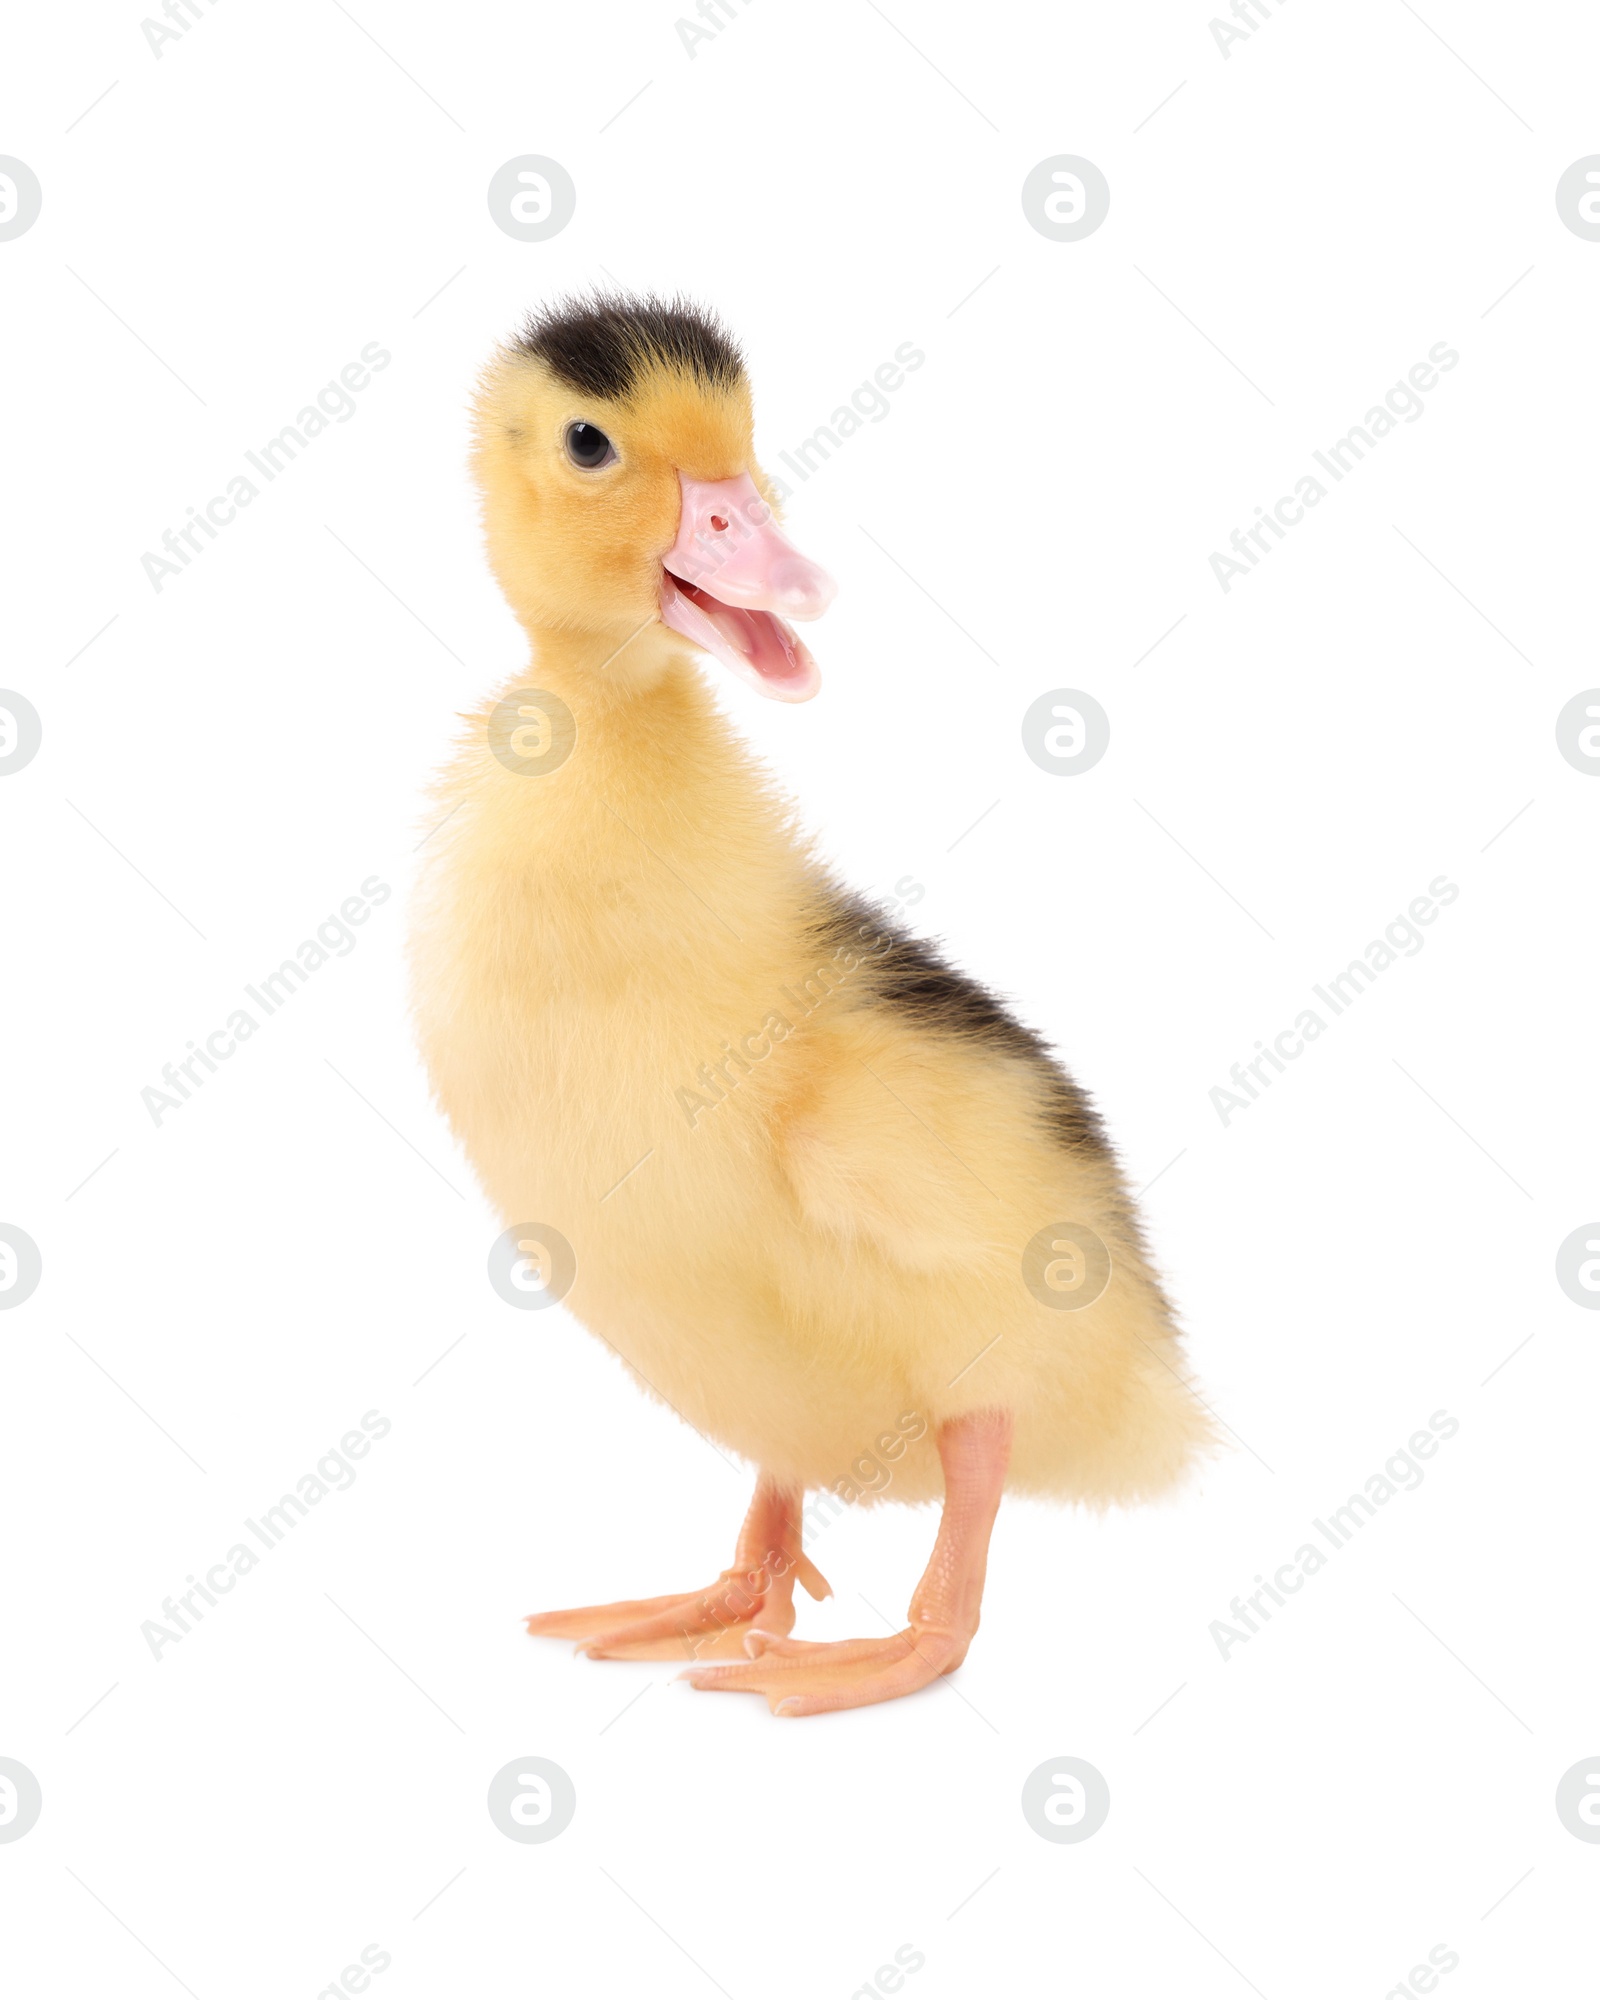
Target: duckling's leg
x: 706, y: 1624
x: 802, y: 1679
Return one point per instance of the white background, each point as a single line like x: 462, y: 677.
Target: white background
x: 226, y: 760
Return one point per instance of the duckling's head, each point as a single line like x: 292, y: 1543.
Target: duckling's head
x: 622, y: 497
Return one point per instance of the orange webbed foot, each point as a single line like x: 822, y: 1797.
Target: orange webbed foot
x: 803, y: 1679
x: 711, y: 1623
x: 747, y: 1614
x: 800, y: 1678
x: 695, y: 1624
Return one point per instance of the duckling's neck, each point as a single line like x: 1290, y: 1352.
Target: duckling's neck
x: 654, y: 757
x: 646, y: 730
x: 658, y: 839
x: 603, y: 669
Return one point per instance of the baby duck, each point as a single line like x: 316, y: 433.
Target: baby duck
x: 819, y: 1190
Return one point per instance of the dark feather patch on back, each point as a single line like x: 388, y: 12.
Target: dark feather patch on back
x: 603, y: 343
x: 913, y: 978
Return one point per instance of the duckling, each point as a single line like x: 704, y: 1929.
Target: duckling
x: 824, y: 1195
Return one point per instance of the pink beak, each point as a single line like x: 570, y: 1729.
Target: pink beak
x: 731, y: 581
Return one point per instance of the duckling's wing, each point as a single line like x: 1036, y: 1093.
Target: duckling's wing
x: 931, y: 1120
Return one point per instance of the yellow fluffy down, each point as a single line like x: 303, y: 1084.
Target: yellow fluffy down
x: 829, y: 1246
x: 832, y: 1244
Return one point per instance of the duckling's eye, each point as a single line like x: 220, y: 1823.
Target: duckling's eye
x: 588, y: 446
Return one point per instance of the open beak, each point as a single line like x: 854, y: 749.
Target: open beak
x: 730, y: 583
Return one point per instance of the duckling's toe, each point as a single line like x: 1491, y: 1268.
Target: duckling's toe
x: 679, y: 1642
x: 800, y: 1678
x: 695, y: 1625
x: 588, y: 1620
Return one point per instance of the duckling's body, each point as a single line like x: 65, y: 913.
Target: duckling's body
x: 810, y: 1260
x: 800, y: 1161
